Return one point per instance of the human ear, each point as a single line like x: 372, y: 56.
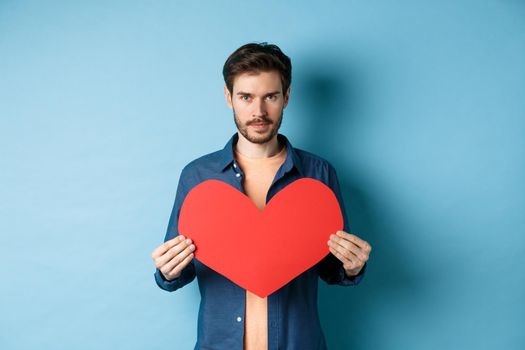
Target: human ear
x: 286, y: 97
x: 228, y: 96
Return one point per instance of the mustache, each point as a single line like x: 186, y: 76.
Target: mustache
x: 261, y: 120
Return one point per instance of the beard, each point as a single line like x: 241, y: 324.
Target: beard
x: 256, y: 137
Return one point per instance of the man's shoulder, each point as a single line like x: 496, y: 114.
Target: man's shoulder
x: 311, y: 161
x: 207, y: 162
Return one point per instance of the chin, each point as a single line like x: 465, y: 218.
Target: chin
x: 259, y: 140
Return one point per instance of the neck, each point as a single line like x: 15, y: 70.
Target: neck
x: 256, y: 150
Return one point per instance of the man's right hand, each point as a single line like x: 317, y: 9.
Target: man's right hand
x: 173, y: 256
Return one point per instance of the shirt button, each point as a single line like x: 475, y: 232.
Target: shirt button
x: 238, y: 175
x: 234, y: 165
x: 239, y: 318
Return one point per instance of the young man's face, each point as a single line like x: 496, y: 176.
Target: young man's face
x: 258, y: 102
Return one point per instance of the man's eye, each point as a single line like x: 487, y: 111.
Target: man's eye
x: 245, y: 97
x: 271, y: 97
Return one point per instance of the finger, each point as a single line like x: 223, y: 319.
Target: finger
x: 356, y: 250
x: 348, y: 263
x: 163, y: 248
x: 356, y: 240
x: 172, y: 252
x: 338, y: 241
x: 178, y: 269
x: 177, y: 259
x: 343, y: 252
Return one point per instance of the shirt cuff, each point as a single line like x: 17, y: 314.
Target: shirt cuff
x: 354, y: 280
x: 163, y: 283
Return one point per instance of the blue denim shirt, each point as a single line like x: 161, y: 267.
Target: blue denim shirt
x: 293, y: 320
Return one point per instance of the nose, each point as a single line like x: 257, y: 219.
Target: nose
x: 259, y: 108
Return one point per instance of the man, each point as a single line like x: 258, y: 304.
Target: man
x: 260, y: 162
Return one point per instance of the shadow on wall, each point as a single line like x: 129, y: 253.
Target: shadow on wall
x: 333, y: 105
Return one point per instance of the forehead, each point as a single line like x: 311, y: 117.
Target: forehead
x: 257, y: 82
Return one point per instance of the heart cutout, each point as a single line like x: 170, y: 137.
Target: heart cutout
x: 260, y: 251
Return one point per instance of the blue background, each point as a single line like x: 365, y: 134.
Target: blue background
x: 420, y: 106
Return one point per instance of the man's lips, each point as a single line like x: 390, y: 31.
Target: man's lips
x: 259, y: 125
x: 259, y: 122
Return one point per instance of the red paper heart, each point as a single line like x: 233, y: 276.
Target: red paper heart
x: 260, y: 251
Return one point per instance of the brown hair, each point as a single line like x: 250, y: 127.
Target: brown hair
x: 254, y: 57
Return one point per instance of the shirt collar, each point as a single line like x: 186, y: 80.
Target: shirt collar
x: 292, y: 158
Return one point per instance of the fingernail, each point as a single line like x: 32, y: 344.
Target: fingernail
x: 188, y: 241
x: 181, y: 238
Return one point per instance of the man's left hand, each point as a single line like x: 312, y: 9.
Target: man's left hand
x: 351, y: 250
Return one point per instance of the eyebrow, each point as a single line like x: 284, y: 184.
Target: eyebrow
x: 268, y: 94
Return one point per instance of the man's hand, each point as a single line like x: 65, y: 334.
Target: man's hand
x: 351, y: 250
x: 173, y: 256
